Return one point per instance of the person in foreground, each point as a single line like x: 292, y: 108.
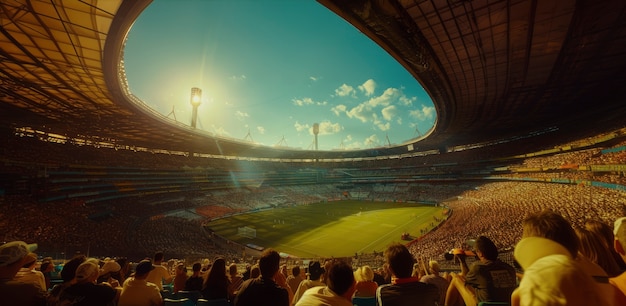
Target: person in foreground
x: 340, y: 286
x: 137, y: 291
x: 13, y: 255
x: 488, y: 280
x: 552, y: 275
x: 404, y: 290
x: 269, y: 289
x: 619, y: 281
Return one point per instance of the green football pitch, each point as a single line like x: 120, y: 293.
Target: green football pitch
x: 339, y: 228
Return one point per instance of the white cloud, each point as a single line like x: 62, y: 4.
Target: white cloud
x: 302, y: 102
x: 427, y: 112
x: 372, y: 141
x: 241, y: 115
x: 329, y: 128
x: 383, y: 126
x: 404, y: 100
x: 344, y: 90
x: 386, y: 98
x: 307, y: 101
x: 301, y: 127
x: 238, y: 77
x: 260, y: 129
x: 368, y: 87
x: 389, y: 112
x: 363, y: 112
x: 339, y: 109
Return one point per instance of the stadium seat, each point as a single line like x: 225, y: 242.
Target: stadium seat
x: 192, y: 295
x: 202, y: 302
x: 178, y: 302
x: 364, y: 301
x: 217, y: 302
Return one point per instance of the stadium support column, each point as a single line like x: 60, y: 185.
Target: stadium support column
x: 316, y: 131
x: 196, y: 95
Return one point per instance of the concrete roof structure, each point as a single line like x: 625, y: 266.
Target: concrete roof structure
x: 496, y: 71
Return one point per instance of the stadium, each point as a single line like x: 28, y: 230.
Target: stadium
x: 530, y: 116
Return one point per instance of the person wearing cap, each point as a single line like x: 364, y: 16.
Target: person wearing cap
x: 108, y: 269
x: 269, y: 289
x: 314, y: 279
x: 338, y: 291
x: 68, y: 272
x: 552, y: 275
x: 619, y: 244
x: 85, y: 291
x: 404, y: 289
x: 488, y: 280
x: 28, y: 274
x: 13, y: 255
x: 136, y: 291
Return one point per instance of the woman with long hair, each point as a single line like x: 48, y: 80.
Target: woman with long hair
x: 216, y: 285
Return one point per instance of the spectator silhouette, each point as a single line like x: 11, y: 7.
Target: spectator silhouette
x: 552, y: 275
x: 339, y: 289
x: 269, y: 289
x: 404, y: 289
x: 488, y: 280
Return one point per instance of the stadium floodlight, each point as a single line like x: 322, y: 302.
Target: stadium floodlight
x: 196, y: 96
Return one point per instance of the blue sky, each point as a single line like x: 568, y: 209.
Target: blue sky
x: 269, y: 70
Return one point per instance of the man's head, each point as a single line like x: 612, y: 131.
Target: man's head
x: 269, y: 263
x: 158, y: 256
x: 550, y: 225
x: 399, y: 259
x: 143, y: 269
x: 341, y: 279
x: 87, y: 271
x: 315, y: 270
x: 69, y: 268
x: 196, y: 267
x: 295, y: 271
x: 14, y: 251
x: 485, y: 247
x: 13, y: 255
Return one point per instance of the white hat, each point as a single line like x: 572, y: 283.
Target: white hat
x: 14, y: 251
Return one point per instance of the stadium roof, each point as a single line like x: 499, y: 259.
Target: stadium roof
x: 495, y: 70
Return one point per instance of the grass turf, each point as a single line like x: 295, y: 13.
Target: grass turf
x: 339, y: 229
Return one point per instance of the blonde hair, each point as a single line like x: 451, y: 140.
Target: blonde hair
x: 363, y: 274
x: 433, y: 266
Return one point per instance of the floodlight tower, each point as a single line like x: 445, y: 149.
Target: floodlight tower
x: 316, y: 130
x: 196, y: 95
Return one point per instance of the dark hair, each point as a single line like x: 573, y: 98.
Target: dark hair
x: 295, y: 271
x: 340, y: 277
x: 196, y: 267
x: 550, y: 225
x: 217, y: 281
x: 487, y: 247
x: 269, y: 263
x: 399, y: 259
x: 158, y: 256
x: 69, y: 268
